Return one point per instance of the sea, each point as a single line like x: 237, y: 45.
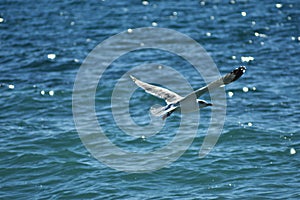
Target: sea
x: 56, y: 145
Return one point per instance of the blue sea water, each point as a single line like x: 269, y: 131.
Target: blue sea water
x: 42, y: 46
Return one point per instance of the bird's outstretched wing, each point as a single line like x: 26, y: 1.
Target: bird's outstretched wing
x: 167, y: 95
x: 228, y: 78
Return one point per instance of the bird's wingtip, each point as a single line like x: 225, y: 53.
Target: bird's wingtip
x: 242, y: 68
x: 238, y: 72
x: 132, y: 77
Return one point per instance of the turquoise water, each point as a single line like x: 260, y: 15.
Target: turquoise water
x: 43, y: 44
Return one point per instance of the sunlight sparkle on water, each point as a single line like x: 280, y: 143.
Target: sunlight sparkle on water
x: 247, y: 58
x: 51, y: 56
x: 1, y: 20
x: 11, y: 86
x: 260, y: 35
x: 293, y: 151
x: 145, y: 3
x: 245, y: 89
x: 230, y: 94
x: 154, y: 24
x: 51, y: 92
x: 244, y: 14
x: 278, y: 5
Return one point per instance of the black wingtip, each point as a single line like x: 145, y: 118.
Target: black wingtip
x: 238, y: 72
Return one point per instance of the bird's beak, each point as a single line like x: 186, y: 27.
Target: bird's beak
x: 209, y: 104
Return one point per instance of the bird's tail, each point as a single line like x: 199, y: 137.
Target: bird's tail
x: 163, y: 111
x: 158, y: 110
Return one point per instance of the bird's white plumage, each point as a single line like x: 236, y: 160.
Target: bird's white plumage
x: 163, y: 93
x: 173, y: 100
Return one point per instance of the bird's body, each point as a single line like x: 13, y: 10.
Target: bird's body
x: 174, y: 100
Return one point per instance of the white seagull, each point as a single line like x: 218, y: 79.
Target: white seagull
x: 173, y: 100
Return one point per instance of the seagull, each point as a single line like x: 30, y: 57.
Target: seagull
x: 173, y: 100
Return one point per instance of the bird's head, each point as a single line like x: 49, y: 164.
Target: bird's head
x: 203, y: 103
